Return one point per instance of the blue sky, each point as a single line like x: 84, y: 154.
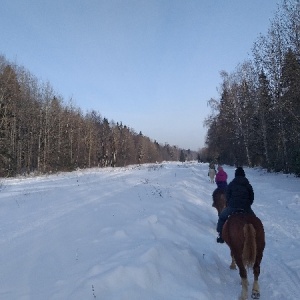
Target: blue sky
x: 152, y: 64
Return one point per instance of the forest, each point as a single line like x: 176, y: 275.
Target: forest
x: 256, y: 119
x: 41, y: 133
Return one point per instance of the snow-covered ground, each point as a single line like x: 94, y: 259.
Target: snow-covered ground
x: 140, y: 232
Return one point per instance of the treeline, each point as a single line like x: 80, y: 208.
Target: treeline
x: 256, y: 120
x: 40, y: 133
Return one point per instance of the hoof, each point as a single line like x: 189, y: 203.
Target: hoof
x: 255, y: 295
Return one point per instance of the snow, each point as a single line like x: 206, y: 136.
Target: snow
x: 139, y: 232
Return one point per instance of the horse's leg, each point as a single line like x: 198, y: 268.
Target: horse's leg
x: 256, y: 271
x: 242, y: 270
x: 233, y: 264
x: 244, y: 294
x: 260, y: 245
x: 243, y: 275
x: 255, y: 290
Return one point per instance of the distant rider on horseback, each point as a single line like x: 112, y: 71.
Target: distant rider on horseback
x: 239, y: 196
x: 221, y: 181
x: 221, y: 178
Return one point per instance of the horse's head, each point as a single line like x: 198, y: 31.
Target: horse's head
x: 219, y: 200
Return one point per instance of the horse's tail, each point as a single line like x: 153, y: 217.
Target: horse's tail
x: 249, y: 251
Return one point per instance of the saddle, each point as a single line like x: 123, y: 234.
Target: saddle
x: 238, y: 211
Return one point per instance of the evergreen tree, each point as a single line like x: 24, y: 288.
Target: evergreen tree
x: 182, y: 156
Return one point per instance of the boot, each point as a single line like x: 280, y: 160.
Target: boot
x: 219, y: 239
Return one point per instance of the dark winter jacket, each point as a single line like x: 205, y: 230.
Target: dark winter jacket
x: 239, y: 193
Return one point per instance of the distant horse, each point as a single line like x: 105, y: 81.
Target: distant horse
x: 212, y: 174
x: 219, y: 200
x: 245, y: 236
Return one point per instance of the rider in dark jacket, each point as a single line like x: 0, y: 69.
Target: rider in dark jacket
x: 239, y: 196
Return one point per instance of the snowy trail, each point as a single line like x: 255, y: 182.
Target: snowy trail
x: 141, y: 232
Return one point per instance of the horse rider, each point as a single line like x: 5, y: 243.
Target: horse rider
x: 221, y: 181
x: 240, y: 196
x: 221, y: 178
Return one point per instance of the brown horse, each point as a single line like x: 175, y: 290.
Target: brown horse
x: 219, y: 200
x: 245, y: 236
